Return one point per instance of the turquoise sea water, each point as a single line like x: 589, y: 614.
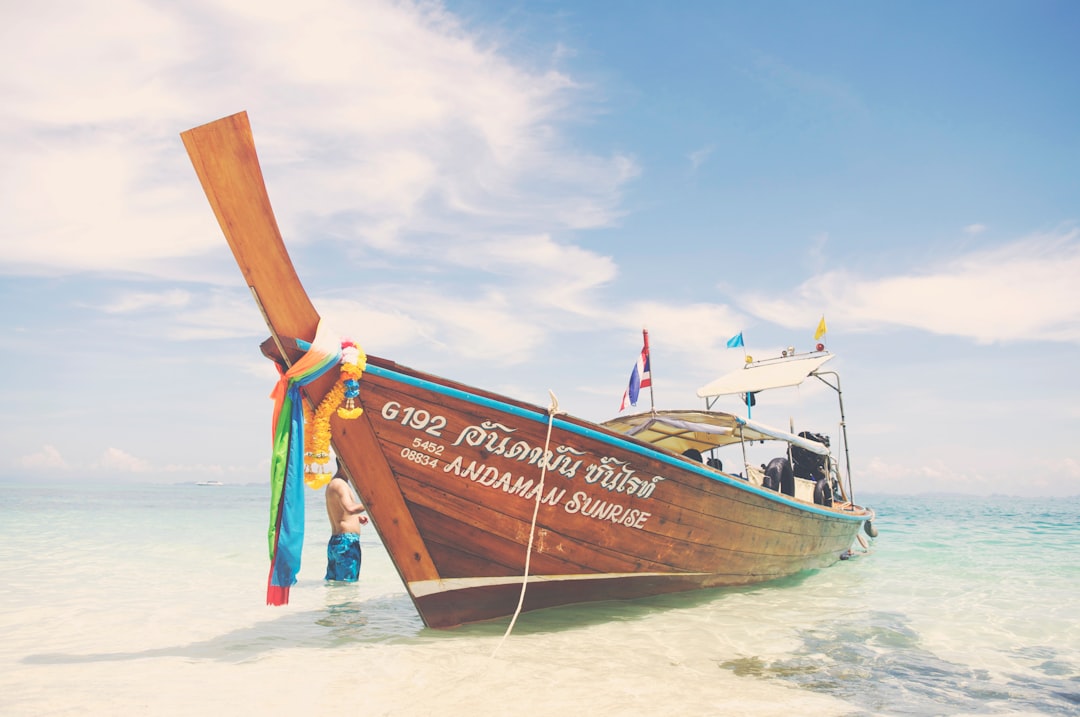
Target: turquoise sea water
x: 149, y: 600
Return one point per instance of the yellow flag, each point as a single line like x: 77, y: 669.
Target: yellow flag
x: 821, y: 329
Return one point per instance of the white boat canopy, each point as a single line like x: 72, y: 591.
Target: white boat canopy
x: 754, y: 377
x: 678, y: 431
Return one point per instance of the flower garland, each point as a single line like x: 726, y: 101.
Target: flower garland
x: 342, y: 398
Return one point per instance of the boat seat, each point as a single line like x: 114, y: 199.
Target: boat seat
x: 693, y: 454
x: 755, y: 475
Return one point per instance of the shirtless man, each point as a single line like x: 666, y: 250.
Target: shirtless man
x: 346, y: 517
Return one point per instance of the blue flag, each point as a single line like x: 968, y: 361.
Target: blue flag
x: 640, y: 377
x: 735, y: 341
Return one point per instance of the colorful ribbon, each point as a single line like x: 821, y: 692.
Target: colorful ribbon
x: 286, y: 532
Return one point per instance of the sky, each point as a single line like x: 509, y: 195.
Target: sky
x: 506, y: 193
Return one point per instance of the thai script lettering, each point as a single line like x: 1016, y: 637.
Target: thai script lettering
x: 618, y: 477
x: 610, y: 473
x: 496, y: 439
x: 489, y: 436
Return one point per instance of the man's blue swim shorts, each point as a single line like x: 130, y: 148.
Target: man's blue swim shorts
x: 343, y: 557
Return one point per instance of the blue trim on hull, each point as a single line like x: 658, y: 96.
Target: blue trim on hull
x: 540, y: 416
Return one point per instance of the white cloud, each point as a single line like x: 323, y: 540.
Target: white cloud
x: 495, y: 299
x: 377, y: 323
x: 215, y: 315
x: 554, y: 274
x: 816, y: 251
x: 114, y: 459
x: 48, y: 458
x: 1069, y: 467
x: 486, y: 327
x: 881, y: 475
x: 1056, y: 476
x: 372, y: 120
x: 694, y: 330
x: 698, y: 156
x: 260, y: 368
x: 88, y: 201
x: 102, y: 64
x: 131, y: 302
x: 975, y: 229
x: 1022, y: 291
x: 201, y: 469
x: 483, y: 324
x: 806, y: 90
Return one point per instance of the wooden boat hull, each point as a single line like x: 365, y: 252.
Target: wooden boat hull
x: 617, y: 518
x: 451, y: 474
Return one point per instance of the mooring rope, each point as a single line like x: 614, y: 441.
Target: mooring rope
x: 552, y: 410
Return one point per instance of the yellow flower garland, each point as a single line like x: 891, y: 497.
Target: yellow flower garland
x: 341, y: 397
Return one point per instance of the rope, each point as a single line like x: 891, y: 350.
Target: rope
x: 552, y: 410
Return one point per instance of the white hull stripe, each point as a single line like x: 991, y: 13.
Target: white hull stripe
x: 423, y: 588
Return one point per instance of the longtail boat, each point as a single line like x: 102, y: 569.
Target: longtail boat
x: 488, y: 505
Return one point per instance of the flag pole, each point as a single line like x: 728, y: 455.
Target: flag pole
x: 648, y: 361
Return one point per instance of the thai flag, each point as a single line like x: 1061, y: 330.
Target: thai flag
x: 640, y: 378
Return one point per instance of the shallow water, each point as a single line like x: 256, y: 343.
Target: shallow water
x: 150, y: 600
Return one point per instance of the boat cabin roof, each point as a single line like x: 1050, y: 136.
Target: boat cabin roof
x: 678, y: 431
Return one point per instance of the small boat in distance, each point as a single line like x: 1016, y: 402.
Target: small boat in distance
x: 488, y: 505
x: 209, y: 482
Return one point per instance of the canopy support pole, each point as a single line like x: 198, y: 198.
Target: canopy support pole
x: 843, y: 424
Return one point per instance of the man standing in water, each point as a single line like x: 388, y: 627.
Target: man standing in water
x: 346, y: 517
